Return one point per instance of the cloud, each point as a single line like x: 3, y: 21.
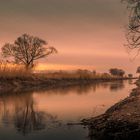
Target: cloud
x: 97, y: 9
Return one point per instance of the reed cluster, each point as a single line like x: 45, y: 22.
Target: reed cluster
x: 10, y: 70
x: 78, y: 74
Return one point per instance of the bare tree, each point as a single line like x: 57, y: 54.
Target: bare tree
x: 133, y: 34
x: 27, y: 49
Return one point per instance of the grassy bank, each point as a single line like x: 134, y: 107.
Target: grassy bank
x: 18, y: 84
x: 10, y: 70
x: 16, y: 77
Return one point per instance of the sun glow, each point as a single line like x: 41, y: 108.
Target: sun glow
x: 44, y: 66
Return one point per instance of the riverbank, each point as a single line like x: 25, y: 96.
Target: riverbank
x: 37, y: 83
x: 121, y: 121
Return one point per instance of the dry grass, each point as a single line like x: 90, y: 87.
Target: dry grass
x: 12, y: 71
x: 79, y: 74
x: 9, y: 71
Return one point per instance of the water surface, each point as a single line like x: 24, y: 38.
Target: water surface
x: 45, y: 114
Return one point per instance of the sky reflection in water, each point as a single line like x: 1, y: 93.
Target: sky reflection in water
x: 44, y: 114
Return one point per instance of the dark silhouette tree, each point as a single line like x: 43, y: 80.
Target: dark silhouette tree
x: 130, y: 75
x: 133, y: 32
x: 27, y: 49
x: 138, y: 70
x: 117, y: 72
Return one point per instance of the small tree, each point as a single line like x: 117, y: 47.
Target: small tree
x: 117, y: 72
x: 113, y: 71
x: 27, y: 49
x: 94, y: 72
x: 121, y: 73
x: 138, y: 70
x: 130, y: 75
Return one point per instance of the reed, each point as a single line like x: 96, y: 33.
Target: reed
x: 79, y: 74
x: 10, y: 70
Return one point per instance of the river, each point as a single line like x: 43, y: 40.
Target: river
x: 43, y: 115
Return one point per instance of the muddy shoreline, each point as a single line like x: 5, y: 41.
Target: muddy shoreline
x: 15, y: 85
x: 119, y: 122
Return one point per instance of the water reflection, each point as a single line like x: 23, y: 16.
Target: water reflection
x: 38, y: 110
x: 117, y: 86
x: 86, y: 88
x: 27, y: 119
x: 79, y: 89
x: 20, y: 109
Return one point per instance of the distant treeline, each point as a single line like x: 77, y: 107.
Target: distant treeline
x: 12, y: 70
x: 86, y: 74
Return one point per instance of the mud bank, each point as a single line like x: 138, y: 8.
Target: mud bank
x: 120, y: 122
x: 14, y: 85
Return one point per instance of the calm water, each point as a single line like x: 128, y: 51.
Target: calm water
x: 44, y: 114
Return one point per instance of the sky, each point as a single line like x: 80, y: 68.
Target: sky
x: 88, y: 34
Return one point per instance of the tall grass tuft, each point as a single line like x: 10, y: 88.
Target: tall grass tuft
x: 10, y: 70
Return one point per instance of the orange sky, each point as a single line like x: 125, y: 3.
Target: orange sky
x: 87, y: 33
